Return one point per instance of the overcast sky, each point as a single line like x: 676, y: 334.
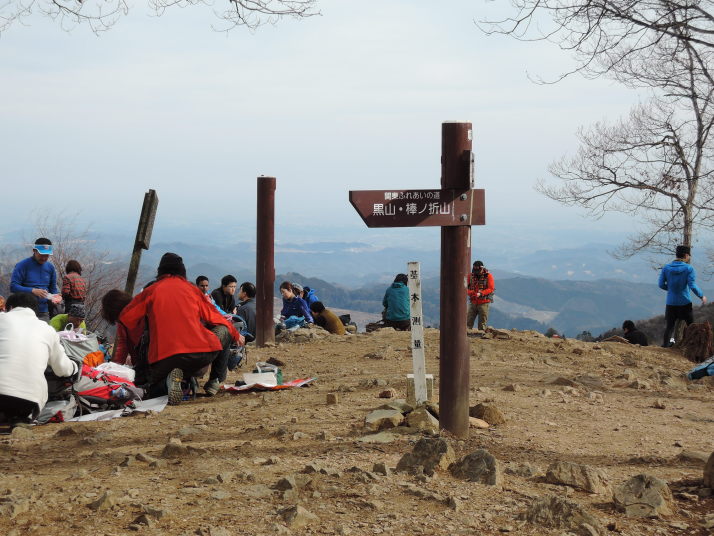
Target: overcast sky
x: 353, y: 99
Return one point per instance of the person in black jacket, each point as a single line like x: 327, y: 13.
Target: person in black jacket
x: 632, y: 334
x: 224, y: 295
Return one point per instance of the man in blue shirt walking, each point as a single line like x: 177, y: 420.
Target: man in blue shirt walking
x: 35, y: 275
x: 677, y: 278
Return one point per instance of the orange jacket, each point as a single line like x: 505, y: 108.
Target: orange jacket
x: 177, y: 313
x: 481, y: 287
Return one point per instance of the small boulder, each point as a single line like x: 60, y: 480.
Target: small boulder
x: 332, y: 399
x: 423, y: 421
x: 693, y: 457
x: 644, y: 496
x: 488, y: 412
x: 479, y: 466
x: 525, y: 469
x: 709, y: 472
x: 388, y: 393
x: 427, y: 456
x: 578, y: 476
x: 297, y: 517
x: 555, y: 512
x: 174, y: 449
x: 105, y: 502
x: 382, y: 419
x: 478, y: 423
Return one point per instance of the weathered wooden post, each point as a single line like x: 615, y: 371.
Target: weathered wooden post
x: 265, y: 262
x: 455, y: 207
x: 143, y: 237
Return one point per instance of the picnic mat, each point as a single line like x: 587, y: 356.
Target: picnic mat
x: 302, y: 382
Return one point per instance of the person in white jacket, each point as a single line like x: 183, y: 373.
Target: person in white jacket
x: 27, y: 346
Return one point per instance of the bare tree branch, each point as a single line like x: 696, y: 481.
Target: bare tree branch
x: 102, y: 15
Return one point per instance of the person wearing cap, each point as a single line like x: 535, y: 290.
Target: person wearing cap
x: 35, y: 275
x: 480, y: 291
x: 677, y: 278
x: 186, y: 332
x: 75, y: 316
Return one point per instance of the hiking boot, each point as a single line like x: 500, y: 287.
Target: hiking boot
x: 212, y: 387
x: 173, y: 383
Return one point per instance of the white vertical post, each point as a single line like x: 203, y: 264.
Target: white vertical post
x: 417, y: 325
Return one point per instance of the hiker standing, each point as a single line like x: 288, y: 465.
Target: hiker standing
x: 35, y: 275
x: 74, y: 286
x: 480, y: 291
x: 677, y: 278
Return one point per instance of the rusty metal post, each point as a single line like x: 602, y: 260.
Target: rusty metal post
x: 265, y: 262
x: 454, y: 369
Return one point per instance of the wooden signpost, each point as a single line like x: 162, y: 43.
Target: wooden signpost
x: 454, y: 208
x: 143, y: 237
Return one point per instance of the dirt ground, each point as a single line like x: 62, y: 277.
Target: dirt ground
x: 235, y: 448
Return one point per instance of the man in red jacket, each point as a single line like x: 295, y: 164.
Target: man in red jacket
x: 186, y: 333
x: 480, y: 290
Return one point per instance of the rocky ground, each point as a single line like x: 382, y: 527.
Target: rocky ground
x: 569, y: 427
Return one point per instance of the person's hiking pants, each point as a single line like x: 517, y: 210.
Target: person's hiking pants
x: 14, y: 409
x: 191, y: 363
x: 672, y: 313
x: 479, y: 310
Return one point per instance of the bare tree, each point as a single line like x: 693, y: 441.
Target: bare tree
x: 101, y: 15
x: 602, y: 34
x: 657, y: 163
x: 71, y: 241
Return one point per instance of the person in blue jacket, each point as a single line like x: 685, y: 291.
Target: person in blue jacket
x: 292, y: 304
x: 677, y: 278
x: 396, y: 304
x: 35, y: 275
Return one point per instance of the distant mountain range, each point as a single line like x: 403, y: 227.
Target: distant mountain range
x: 569, y: 289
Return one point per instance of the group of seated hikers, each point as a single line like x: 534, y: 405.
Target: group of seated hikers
x: 171, y: 333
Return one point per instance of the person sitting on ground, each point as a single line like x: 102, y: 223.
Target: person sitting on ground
x: 246, y: 307
x: 74, y: 286
x: 326, y: 318
x: 632, y: 334
x: 203, y: 284
x: 185, y: 332
x: 292, y: 305
x: 309, y: 295
x: 224, y: 295
x: 396, y: 304
x: 27, y: 346
x: 113, y: 303
x: 76, y: 315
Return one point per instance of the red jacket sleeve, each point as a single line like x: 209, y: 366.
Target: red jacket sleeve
x: 121, y: 345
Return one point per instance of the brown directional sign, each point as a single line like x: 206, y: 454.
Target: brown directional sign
x: 416, y: 208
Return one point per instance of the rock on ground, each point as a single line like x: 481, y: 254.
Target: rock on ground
x: 555, y: 512
x: 579, y: 476
x: 644, y: 496
x: 489, y: 413
x: 709, y: 472
x: 479, y: 466
x: 427, y: 456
